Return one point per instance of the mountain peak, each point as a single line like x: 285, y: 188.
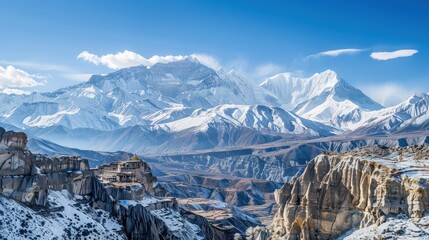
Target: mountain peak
x: 187, y: 61
x: 329, y: 72
x: 417, y: 96
x: 283, y: 75
x: 278, y: 78
x: 325, y: 79
x: 320, y: 97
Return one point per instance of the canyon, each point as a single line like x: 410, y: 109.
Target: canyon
x: 371, y: 191
x: 63, y: 197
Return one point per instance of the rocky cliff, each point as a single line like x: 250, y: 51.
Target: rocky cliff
x: 339, y: 193
x: 27, y: 177
x: 61, y: 197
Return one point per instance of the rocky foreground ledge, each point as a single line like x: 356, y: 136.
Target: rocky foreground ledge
x: 62, y: 198
x: 371, y: 193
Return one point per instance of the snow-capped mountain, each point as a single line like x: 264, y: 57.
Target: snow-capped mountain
x: 172, y: 91
x: 178, y: 106
x: 324, y: 97
x: 327, y: 98
x: 185, y: 105
x: 410, y: 115
x: 178, y: 130
x: 124, y: 97
x: 94, y: 158
x: 259, y: 117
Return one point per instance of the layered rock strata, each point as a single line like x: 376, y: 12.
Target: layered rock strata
x: 31, y: 179
x: 337, y: 193
x: 27, y: 177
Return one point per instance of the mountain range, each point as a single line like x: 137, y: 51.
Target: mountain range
x: 185, y: 105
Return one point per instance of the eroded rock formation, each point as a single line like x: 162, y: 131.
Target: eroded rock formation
x: 27, y: 177
x: 340, y: 192
x: 30, y: 179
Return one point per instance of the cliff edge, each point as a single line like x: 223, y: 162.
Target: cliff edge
x: 363, y: 189
x: 62, y: 198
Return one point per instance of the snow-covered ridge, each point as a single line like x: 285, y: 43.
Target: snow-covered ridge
x: 125, y: 97
x: 323, y: 97
x: 327, y: 98
x: 293, y: 90
x: 186, y: 95
x: 400, y: 227
x: 261, y: 118
x: 67, y: 217
x: 410, y: 115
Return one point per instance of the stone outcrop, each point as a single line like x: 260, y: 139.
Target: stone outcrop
x: 13, y: 159
x: 28, y: 179
x: 13, y: 140
x: 226, y: 217
x: 139, y: 223
x: 124, y: 179
x: 210, y: 231
x: 340, y: 192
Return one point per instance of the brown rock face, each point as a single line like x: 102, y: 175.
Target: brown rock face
x: 14, y: 140
x: 338, y: 192
x: 27, y: 177
x: 13, y: 159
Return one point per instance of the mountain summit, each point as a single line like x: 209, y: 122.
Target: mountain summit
x: 185, y: 105
x: 123, y: 98
x: 408, y: 116
x: 323, y: 97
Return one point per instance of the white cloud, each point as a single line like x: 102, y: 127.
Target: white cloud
x: 126, y: 59
x: 130, y: 59
x: 10, y: 91
x: 388, y: 94
x: 257, y: 73
x: 79, y: 77
x: 64, y: 71
x: 207, y: 60
x: 37, y: 66
x: 267, y: 70
x: 337, y: 52
x: 11, y: 77
x: 392, y: 55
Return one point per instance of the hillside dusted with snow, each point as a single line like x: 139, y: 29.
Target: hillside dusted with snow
x: 408, y: 116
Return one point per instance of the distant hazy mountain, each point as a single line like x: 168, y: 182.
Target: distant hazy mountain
x: 94, y: 158
x: 222, y: 126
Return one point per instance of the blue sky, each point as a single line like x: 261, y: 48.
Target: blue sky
x: 42, y: 39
